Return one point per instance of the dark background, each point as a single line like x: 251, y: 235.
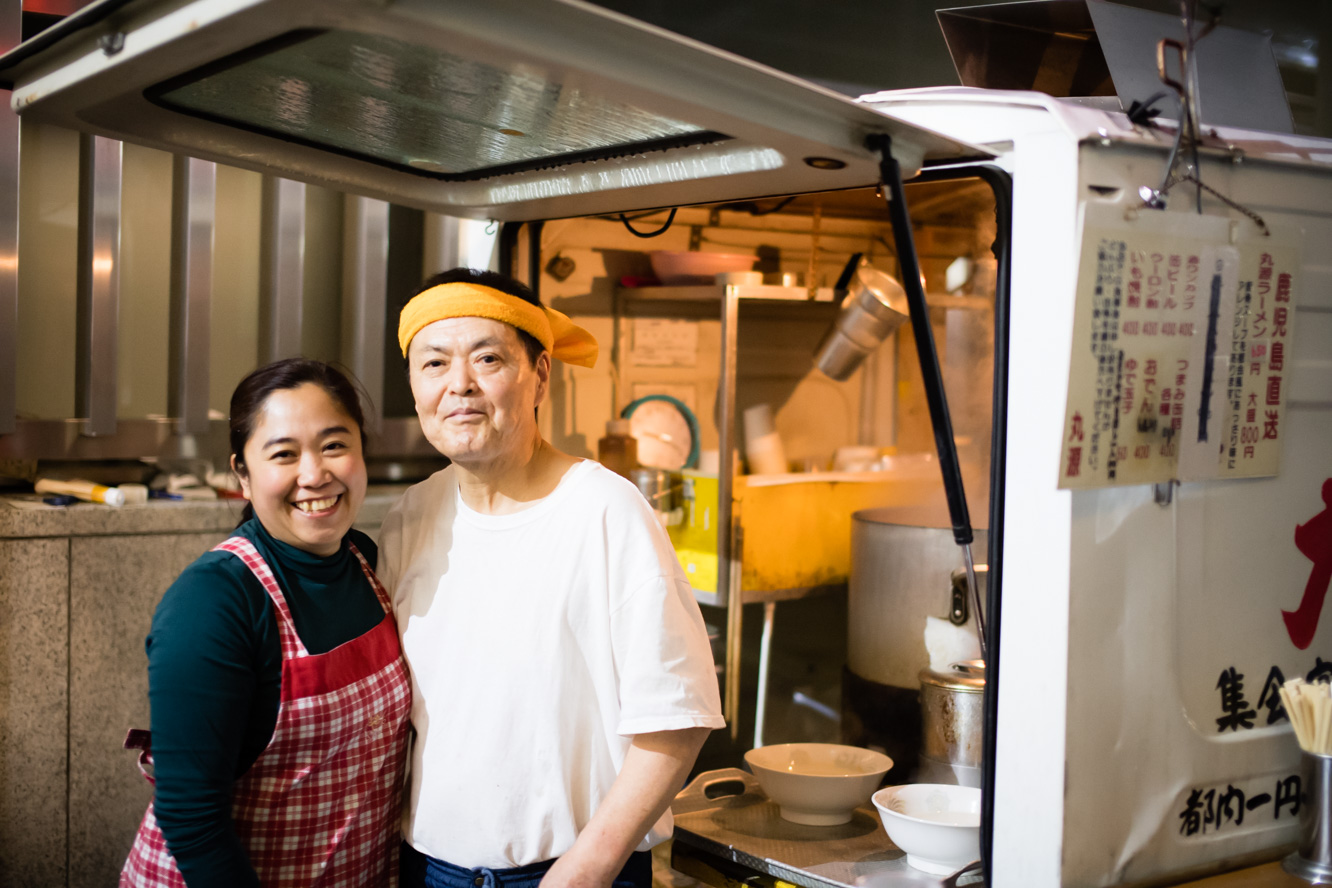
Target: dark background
x: 861, y: 46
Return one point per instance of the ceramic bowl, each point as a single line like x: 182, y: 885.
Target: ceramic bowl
x: 937, y: 825
x: 694, y: 267
x: 819, y: 784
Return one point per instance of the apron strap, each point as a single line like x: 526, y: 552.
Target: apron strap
x: 246, y: 552
x: 380, y: 592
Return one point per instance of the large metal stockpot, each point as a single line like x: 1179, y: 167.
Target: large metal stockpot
x: 902, y: 562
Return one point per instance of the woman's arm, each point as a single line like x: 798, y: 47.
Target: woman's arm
x: 204, y: 689
x: 654, y: 769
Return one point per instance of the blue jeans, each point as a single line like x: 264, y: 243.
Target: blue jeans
x: 419, y: 870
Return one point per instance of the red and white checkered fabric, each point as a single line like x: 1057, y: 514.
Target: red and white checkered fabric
x: 322, y: 803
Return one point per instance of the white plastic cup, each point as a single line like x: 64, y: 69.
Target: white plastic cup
x: 758, y: 422
x: 763, y: 446
x: 766, y: 455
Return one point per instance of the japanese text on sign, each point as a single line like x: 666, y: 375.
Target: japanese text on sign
x: 1252, y: 805
x: 1174, y: 339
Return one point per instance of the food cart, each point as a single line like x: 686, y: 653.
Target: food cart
x: 1138, y: 567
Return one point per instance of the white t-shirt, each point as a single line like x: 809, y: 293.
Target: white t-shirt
x: 539, y: 643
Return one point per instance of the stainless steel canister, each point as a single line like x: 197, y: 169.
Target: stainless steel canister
x: 661, y: 488
x: 875, y: 306
x: 952, y: 705
x: 1313, y: 860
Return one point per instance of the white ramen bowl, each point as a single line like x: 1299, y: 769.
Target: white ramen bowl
x: 819, y: 784
x: 936, y: 824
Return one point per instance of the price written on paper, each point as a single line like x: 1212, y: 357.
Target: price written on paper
x: 1180, y: 352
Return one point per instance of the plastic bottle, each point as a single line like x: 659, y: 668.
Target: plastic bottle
x: 618, y: 451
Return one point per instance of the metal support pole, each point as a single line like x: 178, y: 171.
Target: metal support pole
x: 364, y: 297
x: 931, y: 377
x: 281, y: 268
x: 10, y: 32
x: 728, y: 558
x: 98, y: 286
x: 193, y: 211
x: 765, y: 664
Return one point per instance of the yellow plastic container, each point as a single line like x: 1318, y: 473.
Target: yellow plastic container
x: 795, y: 529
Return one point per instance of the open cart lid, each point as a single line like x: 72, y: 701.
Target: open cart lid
x: 501, y: 109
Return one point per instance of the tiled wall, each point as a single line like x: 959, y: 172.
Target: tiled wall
x: 114, y: 585
x: 74, y: 611
x: 34, y: 707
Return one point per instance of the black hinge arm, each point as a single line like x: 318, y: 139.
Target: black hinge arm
x: 890, y: 175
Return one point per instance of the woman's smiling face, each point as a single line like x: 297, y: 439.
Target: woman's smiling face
x: 304, y: 471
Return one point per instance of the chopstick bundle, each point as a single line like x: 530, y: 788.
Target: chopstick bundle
x: 1309, y: 706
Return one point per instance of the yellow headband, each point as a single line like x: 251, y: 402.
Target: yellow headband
x: 563, y: 338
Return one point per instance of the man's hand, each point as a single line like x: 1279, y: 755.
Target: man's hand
x: 654, y: 770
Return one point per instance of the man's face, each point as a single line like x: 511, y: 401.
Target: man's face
x: 476, y: 391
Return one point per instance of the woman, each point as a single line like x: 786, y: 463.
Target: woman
x: 279, y: 695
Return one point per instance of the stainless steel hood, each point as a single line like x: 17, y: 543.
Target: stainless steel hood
x: 504, y: 109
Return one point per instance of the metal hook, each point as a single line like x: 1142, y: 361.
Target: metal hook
x: 1161, y: 47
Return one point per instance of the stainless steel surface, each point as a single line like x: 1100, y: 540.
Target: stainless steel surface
x: 364, y: 297
x: 10, y: 32
x: 952, y: 706
x: 728, y: 560
x: 747, y: 829
x: 960, y: 610
x: 874, y: 307
x: 715, y: 293
x: 98, y: 283
x: 442, y: 248
x: 525, y: 82
x: 978, y: 610
x: 63, y: 439
x: 901, y: 565
x: 1313, y: 860
x: 193, y: 205
x: 659, y: 487
x: 765, y: 662
x: 281, y: 268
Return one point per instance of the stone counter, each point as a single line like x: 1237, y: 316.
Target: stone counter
x: 78, y: 586
x: 27, y: 517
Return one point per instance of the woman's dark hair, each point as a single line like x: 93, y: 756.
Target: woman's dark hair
x: 497, y: 281
x: 251, y: 394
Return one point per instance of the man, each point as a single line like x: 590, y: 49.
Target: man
x: 561, y: 675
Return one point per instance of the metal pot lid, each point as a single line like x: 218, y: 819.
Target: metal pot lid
x: 967, y: 676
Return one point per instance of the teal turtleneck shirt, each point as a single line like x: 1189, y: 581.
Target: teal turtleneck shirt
x: 214, y: 678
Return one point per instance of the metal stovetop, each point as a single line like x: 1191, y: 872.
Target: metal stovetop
x: 725, y: 815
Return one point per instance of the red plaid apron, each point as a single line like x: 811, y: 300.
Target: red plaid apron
x: 321, y: 805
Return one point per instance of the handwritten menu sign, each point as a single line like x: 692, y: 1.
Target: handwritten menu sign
x: 1165, y: 317
x: 1236, y: 415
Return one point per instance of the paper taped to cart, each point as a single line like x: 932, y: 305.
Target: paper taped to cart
x: 1182, y: 331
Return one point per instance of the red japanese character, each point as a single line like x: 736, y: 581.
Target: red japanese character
x: 1314, y: 540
